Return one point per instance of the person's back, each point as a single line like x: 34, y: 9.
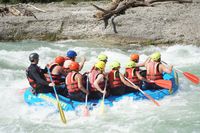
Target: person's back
x: 74, y: 83
x: 97, y: 81
x: 155, y: 70
x: 57, y: 71
x: 35, y: 76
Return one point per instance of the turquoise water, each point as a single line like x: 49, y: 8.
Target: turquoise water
x: 178, y: 113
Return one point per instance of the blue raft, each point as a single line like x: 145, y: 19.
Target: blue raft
x: 70, y: 105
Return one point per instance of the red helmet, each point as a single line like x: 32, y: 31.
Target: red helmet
x: 74, y: 66
x: 134, y: 57
x: 60, y: 60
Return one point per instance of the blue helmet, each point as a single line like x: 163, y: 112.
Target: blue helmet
x: 71, y: 54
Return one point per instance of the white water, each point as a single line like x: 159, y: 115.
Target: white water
x: 178, y: 113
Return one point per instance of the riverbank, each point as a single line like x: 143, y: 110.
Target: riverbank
x: 165, y: 23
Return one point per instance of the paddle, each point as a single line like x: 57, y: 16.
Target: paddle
x: 102, y: 102
x: 148, y: 96
x: 62, y: 115
x: 164, y: 83
x: 86, y: 111
x: 191, y: 77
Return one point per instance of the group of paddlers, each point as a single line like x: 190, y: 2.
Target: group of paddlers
x: 70, y: 83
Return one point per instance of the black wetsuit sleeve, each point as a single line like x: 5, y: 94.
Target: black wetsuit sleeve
x: 37, y: 77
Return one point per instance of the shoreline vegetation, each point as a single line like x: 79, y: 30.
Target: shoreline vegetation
x: 163, y: 23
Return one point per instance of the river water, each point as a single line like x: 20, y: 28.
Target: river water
x: 178, y: 113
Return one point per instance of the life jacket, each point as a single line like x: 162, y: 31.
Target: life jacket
x: 71, y: 83
x: 130, y: 74
x: 92, y: 77
x: 32, y: 81
x: 114, y: 79
x: 153, y: 71
x: 55, y: 77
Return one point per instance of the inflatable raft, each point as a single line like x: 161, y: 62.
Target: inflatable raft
x: 70, y: 105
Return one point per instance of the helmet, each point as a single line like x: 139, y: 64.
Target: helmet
x: 71, y: 54
x: 134, y: 57
x: 33, y: 56
x: 130, y: 64
x: 155, y: 56
x: 74, y: 66
x: 100, y: 65
x: 115, y: 64
x: 60, y: 60
x: 102, y: 57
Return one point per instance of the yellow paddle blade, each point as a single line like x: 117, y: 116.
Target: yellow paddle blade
x: 62, y: 115
x: 102, y: 107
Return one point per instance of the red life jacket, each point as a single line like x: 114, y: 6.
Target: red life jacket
x: 153, y: 71
x: 92, y: 77
x: 114, y: 79
x: 130, y: 74
x: 71, y: 83
x: 56, y: 78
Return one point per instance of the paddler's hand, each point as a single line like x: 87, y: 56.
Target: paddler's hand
x: 87, y: 92
x: 136, y: 87
x: 51, y: 84
x: 103, y: 92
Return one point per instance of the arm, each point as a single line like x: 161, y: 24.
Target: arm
x: 80, y: 84
x: 81, y: 63
x: 163, y: 68
x: 126, y: 82
x: 96, y: 83
x: 143, y: 63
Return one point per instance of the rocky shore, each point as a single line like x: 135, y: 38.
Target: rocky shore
x: 165, y: 23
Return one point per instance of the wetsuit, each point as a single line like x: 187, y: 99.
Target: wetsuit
x: 37, y: 80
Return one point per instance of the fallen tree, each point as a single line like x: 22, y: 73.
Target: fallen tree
x: 122, y: 6
x: 19, y: 10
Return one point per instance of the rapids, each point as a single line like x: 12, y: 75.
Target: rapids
x: 178, y: 113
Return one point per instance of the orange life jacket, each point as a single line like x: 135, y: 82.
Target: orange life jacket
x: 92, y: 77
x: 153, y: 71
x: 56, y: 77
x: 130, y: 74
x: 71, y: 83
x: 114, y: 79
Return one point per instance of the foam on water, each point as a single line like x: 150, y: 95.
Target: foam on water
x: 178, y: 113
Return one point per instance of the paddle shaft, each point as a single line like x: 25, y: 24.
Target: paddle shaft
x: 62, y: 115
x: 86, y: 97
x: 148, y: 96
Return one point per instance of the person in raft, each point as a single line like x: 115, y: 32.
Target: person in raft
x: 74, y: 83
x: 57, y: 71
x: 97, y: 81
x: 70, y: 57
x: 117, y: 81
x: 133, y: 74
x: 36, y: 78
x: 155, y: 69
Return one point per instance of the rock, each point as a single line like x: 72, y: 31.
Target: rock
x: 166, y: 22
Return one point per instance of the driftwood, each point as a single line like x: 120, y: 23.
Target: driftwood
x: 105, y: 15
x: 19, y: 10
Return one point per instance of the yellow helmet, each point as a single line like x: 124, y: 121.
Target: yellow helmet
x: 100, y: 65
x: 115, y: 64
x: 102, y: 57
x: 130, y: 64
x: 155, y: 56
